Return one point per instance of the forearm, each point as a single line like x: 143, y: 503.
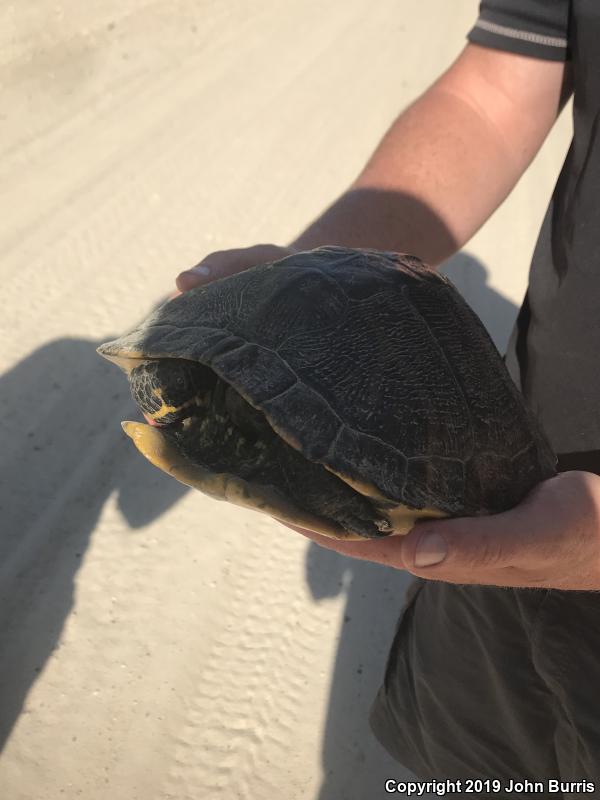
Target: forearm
x: 434, y: 179
x: 444, y: 166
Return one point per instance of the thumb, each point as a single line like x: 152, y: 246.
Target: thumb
x: 466, y: 549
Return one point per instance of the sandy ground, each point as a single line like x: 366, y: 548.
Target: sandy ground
x: 154, y: 643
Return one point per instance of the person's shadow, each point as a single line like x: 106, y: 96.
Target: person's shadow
x: 63, y: 453
x: 355, y: 766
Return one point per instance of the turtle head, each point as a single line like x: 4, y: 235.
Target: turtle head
x: 167, y: 390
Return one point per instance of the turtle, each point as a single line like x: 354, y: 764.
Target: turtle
x: 350, y: 391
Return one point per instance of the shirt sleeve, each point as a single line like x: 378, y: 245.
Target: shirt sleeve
x: 537, y: 28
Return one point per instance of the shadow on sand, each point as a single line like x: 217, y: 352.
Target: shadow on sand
x: 63, y: 453
x: 355, y: 766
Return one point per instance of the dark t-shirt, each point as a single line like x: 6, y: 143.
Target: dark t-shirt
x: 553, y: 353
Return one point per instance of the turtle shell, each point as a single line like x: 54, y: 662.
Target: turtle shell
x: 369, y: 364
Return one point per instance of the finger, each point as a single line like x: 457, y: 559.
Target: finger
x: 191, y: 278
x: 223, y: 263
x: 216, y: 265
x: 383, y: 551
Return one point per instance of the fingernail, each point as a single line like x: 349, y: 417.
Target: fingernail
x: 432, y: 549
x: 200, y: 269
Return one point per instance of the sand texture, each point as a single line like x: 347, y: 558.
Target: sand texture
x: 156, y: 644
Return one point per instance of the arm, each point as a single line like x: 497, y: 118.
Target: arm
x: 450, y: 159
x: 445, y: 165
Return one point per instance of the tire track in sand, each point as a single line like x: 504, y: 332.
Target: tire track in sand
x: 239, y: 726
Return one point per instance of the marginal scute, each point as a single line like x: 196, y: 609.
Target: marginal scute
x: 256, y: 366
x: 442, y: 477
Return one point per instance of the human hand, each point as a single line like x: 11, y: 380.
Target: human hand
x: 550, y: 540
x: 222, y: 263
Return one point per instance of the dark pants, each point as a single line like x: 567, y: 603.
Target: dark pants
x: 494, y: 683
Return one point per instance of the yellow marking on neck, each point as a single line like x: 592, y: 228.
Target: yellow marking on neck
x: 165, y: 409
